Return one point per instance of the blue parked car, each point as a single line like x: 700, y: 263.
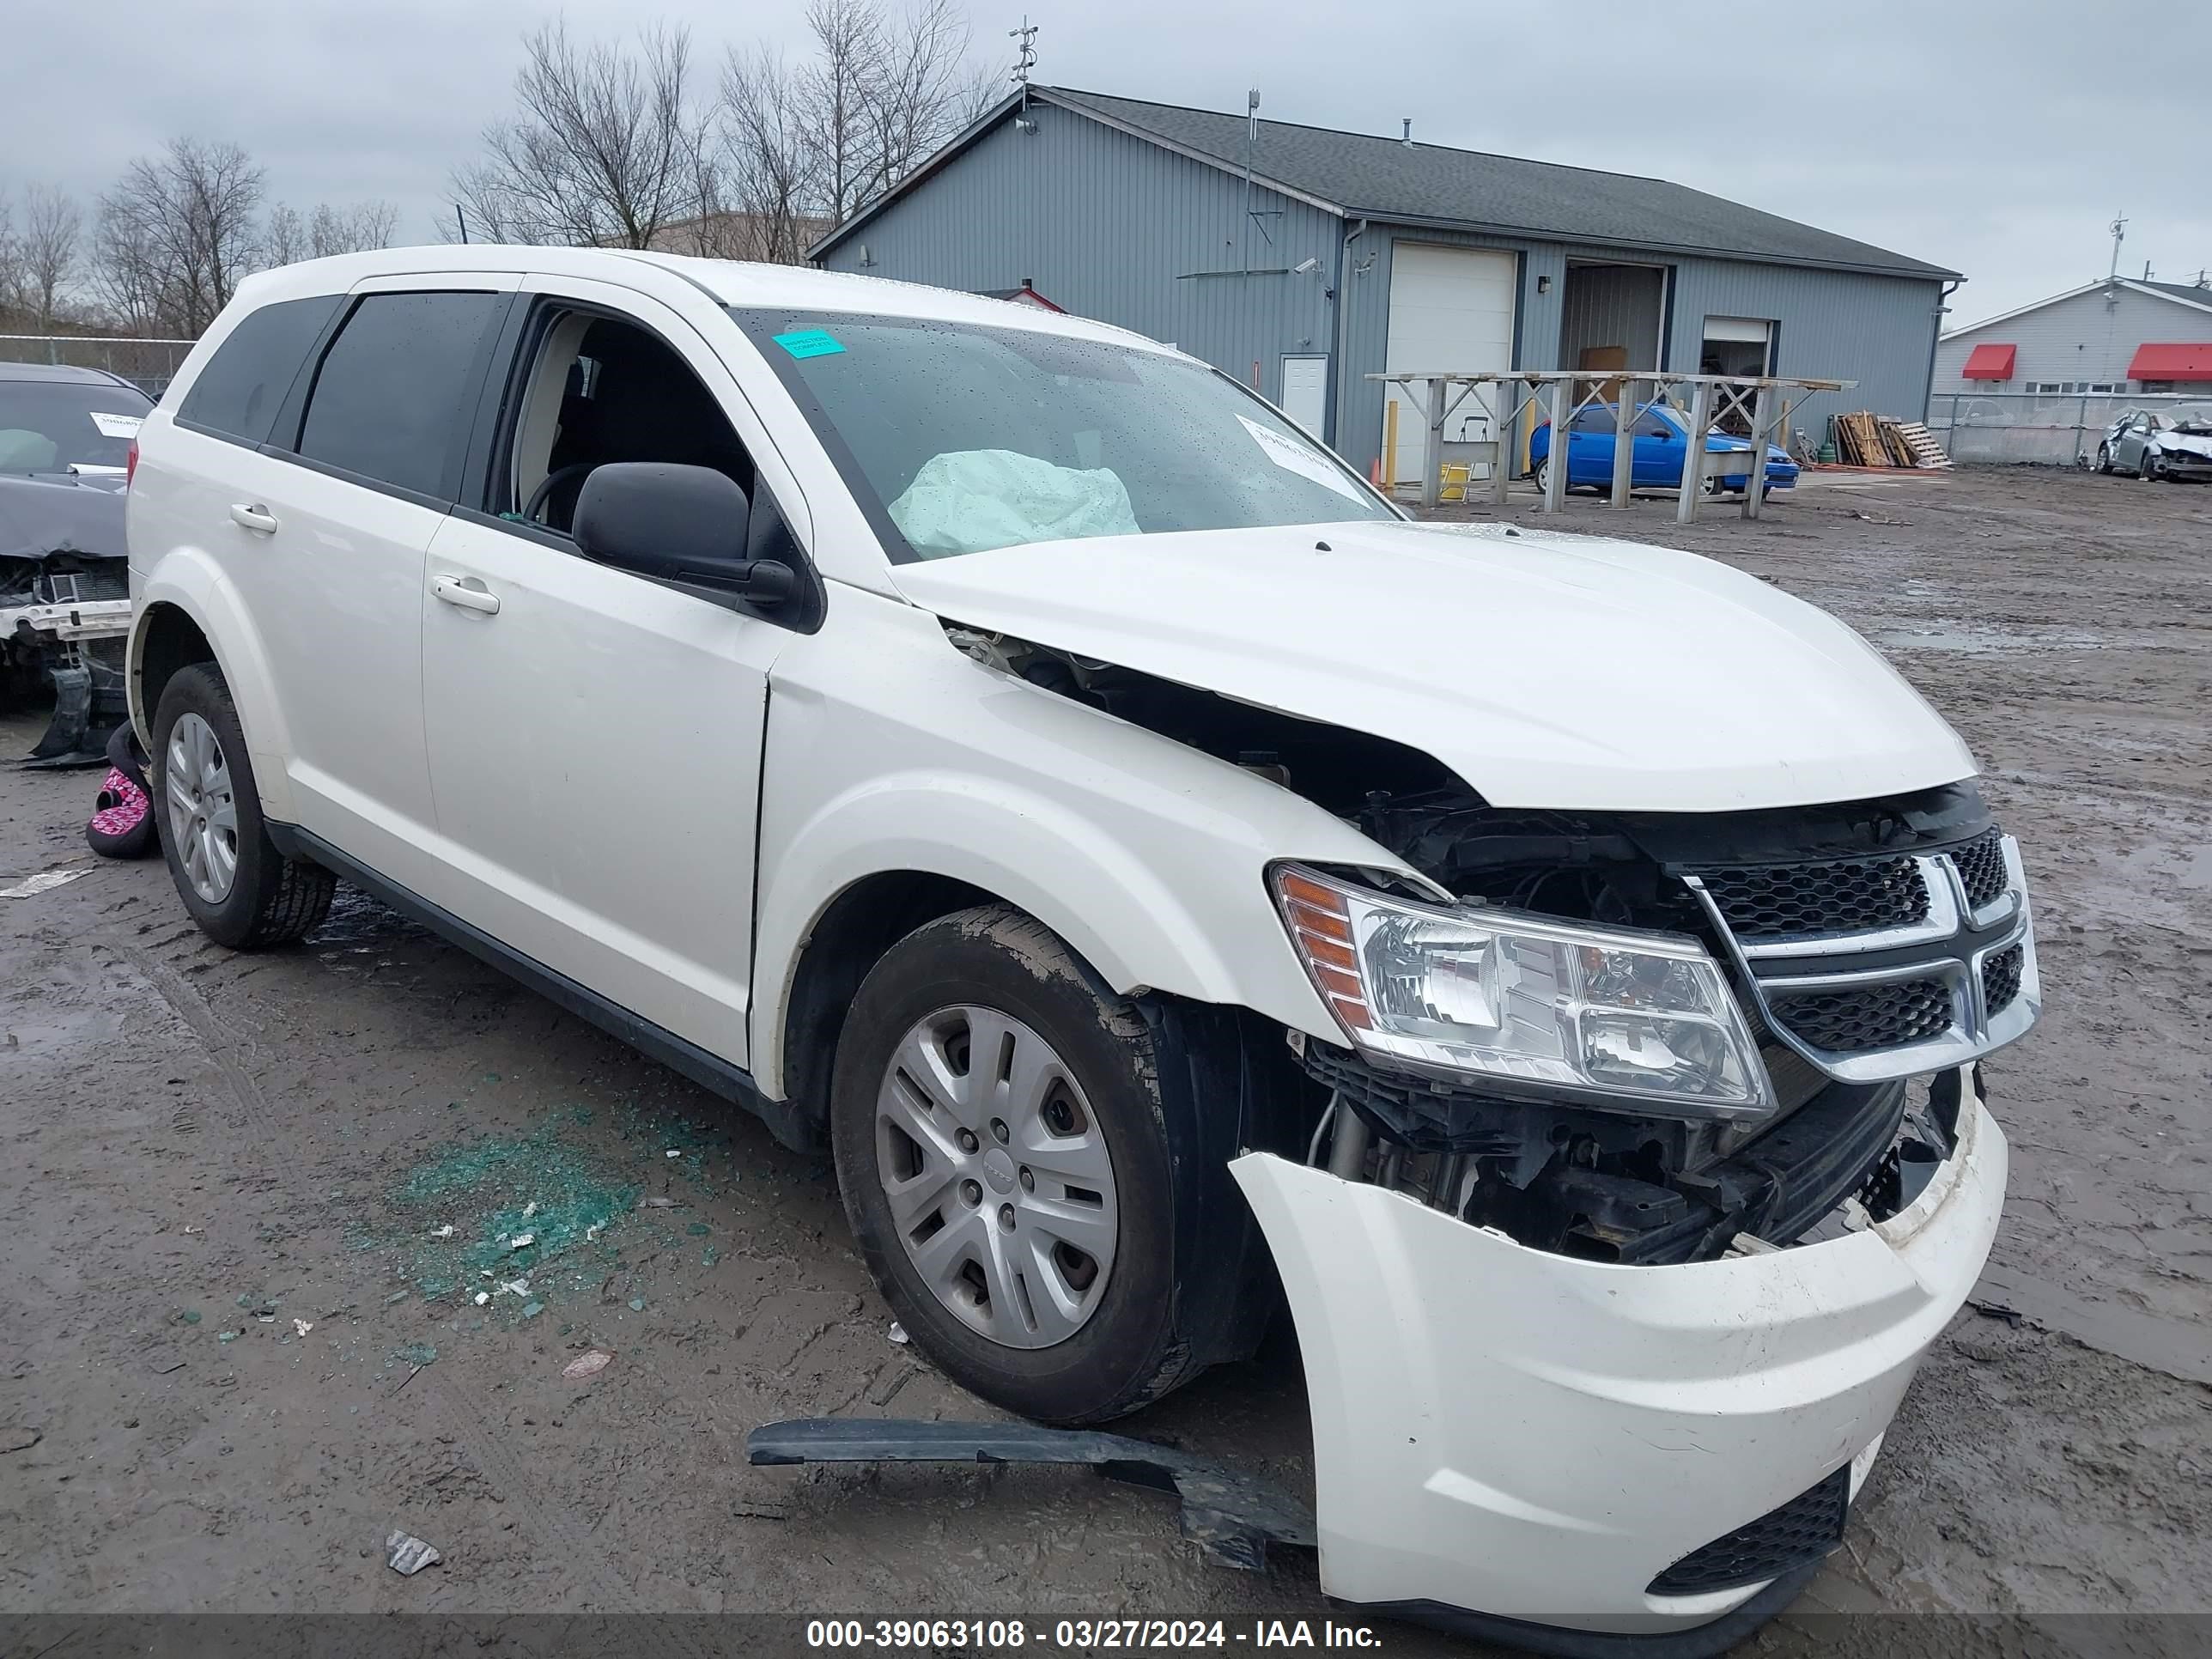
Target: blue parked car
x: 1661, y: 437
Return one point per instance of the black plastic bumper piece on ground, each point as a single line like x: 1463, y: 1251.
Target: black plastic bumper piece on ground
x: 1233, y: 1517
x: 1557, y: 1640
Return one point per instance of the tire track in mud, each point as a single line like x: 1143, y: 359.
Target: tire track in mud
x: 267, y: 1141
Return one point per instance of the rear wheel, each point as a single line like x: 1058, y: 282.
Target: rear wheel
x: 2104, y: 458
x: 241, y: 890
x: 1002, y: 1146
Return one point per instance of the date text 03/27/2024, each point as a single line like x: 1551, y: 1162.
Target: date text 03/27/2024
x: 1085, y: 1635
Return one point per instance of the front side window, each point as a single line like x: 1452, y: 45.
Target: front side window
x: 597, y: 391
x: 50, y: 426
x: 239, y: 392
x: 959, y: 438
x: 396, y: 386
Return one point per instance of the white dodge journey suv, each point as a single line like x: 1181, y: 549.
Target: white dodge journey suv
x: 1009, y: 753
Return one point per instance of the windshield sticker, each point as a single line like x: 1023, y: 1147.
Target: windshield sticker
x: 115, y: 426
x: 810, y: 343
x: 1294, y: 458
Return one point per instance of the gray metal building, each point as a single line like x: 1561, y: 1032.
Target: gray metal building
x: 1335, y: 255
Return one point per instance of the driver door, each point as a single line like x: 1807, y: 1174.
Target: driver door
x: 594, y: 736
x: 2128, y: 452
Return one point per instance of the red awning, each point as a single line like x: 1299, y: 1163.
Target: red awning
x: 1989, y: 362
x: 2171, y: 362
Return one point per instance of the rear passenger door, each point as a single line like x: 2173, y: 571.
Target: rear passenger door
x: 331, y: 537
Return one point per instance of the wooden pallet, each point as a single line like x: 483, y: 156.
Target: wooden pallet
x: 1926, y: 452
x: 1866, y: 438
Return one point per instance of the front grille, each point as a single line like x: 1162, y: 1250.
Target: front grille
x: 1981, y: 868
x: 1867, y: 1016
x: 1800, y: 1531
x: 1851, y: 896
x: 2001, y: 973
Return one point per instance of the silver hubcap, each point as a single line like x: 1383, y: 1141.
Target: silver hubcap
x: 202, y: 813
x: 998, y: 1178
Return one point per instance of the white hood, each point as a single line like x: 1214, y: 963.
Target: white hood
x: 1548, y: 671
x: 2186, y: 443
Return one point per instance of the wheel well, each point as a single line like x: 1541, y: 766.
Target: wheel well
x: 861, y: 924
x: 173, y: 640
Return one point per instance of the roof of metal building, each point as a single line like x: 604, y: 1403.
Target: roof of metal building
x: 2197, y: 294
x: 1361, y: 175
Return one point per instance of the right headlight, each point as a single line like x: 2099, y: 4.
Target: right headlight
x: 1640, y: 1022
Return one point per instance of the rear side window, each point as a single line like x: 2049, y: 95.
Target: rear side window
x: 397, y: 385
x: 239, y: 392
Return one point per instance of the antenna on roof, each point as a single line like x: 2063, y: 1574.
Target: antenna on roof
x: 2119, y: 229
x: 2145, y: 275
x: 1406, y: 138
x: 1024, y: 60
x: 1251, y: 138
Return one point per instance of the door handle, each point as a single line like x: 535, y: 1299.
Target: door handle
x: 253, y: 516
x: 467, y: 592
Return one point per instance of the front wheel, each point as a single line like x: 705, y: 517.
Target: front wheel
x: 2148, y: 466
x: 1002, y: 1146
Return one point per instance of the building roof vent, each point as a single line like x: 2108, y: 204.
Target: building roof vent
x: 1408, y: 137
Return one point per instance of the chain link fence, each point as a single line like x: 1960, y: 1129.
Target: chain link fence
x: 2035, y: 428
x: 149, y: 364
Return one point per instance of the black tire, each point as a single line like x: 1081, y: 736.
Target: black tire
x: 2147, y: 467
x: 1171, y: 1283
x: 272, y: 900
x: 2104, y: 458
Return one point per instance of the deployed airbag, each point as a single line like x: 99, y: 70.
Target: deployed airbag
x: 972, y: 499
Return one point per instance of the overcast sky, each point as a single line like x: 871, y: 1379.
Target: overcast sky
x: 1998, y: 139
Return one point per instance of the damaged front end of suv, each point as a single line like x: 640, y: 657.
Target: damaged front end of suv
x: 1657, y: 1038
x: 1653, y: 1156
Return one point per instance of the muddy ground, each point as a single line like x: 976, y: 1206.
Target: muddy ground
x: 203, y: 1148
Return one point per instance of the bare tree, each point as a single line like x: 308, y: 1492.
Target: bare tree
x: 356, y: 229
x: 47, y: 249
x: 604, y: 148
x: 920, y: 93
x: 11, y: 282
x: 288, y: 236
x: 850, y: 39
x: 177, y: 233
x: 885, y: 90
x: 766, y: 180
x: 283, y: 236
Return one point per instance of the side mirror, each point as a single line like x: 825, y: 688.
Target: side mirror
x: 680, y: 524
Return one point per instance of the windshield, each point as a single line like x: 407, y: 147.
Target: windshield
x: 50, y: 426
x: 958, y: 438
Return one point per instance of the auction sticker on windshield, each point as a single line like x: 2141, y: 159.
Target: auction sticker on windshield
x: 1292, y: 459
x: 810, y: 343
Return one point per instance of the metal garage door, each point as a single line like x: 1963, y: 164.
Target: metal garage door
x: 1450, y: 308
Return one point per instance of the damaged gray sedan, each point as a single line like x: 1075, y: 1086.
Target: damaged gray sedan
x: 2174, y: 442
x: 66, y: 446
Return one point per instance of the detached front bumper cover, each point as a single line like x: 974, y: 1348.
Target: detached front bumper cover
x: 1525, y: 1443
